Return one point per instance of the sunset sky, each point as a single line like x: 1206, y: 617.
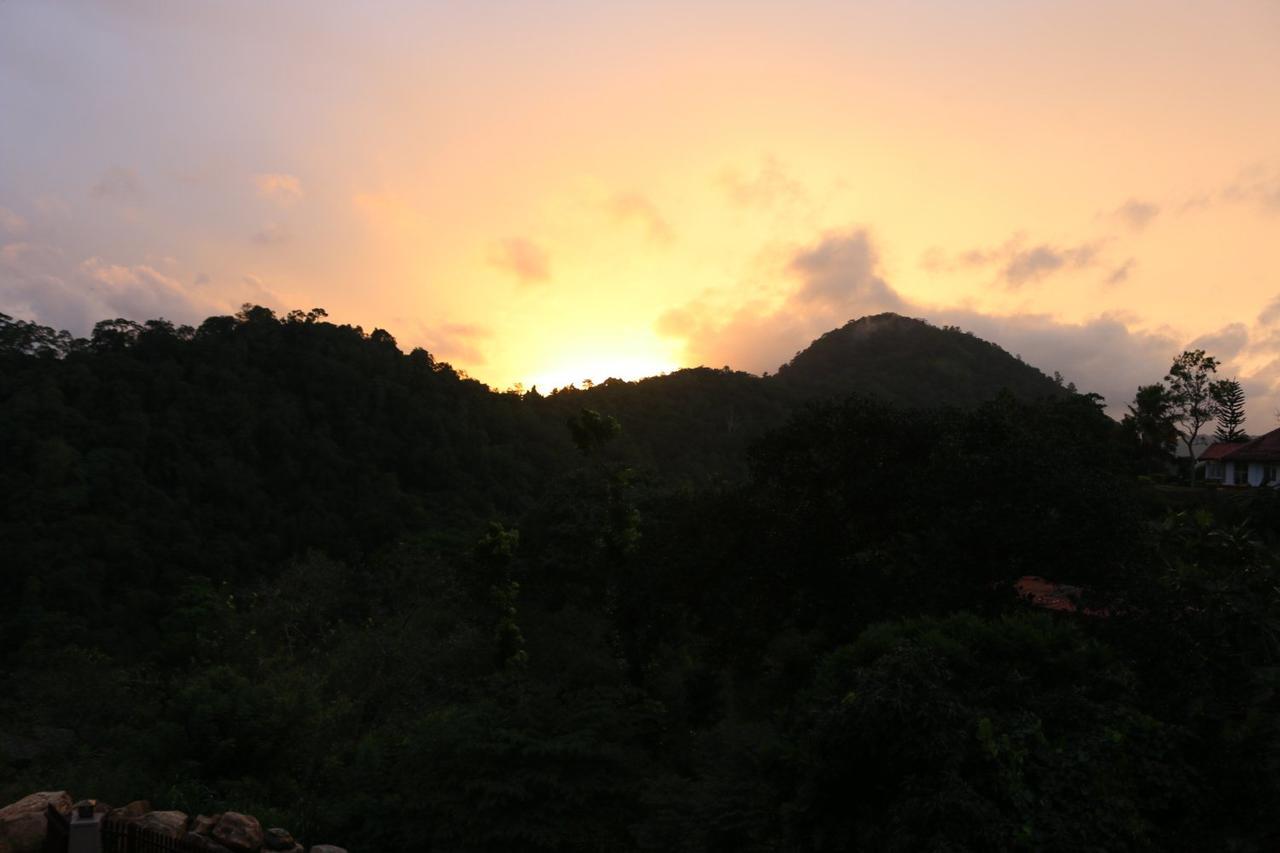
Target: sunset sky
x: 542, y: 192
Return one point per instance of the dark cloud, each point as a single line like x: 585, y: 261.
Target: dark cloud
x: 1032, y: 265
x: 634, y: 207
x: 1271, y: 313
x: 1015, y: 263
x: 118, y: 184
x: 840, y: 270
x: 1259, y: 186
x: 1102, y: 354
x: 1225, y: 343
x: 838, y: 279
x: 1137, y: 214
x: 830, y: 281
x: 1121, y: 273
x: 523, y: 258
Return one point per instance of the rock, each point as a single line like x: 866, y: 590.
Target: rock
x: 276, y: 838
x: 208, y: 845
x: 132, y: 812
x: 170, y: 824
x: 203, y: 824
x: 326, y: 848
x: 23, y: 824
x: 240, y: 832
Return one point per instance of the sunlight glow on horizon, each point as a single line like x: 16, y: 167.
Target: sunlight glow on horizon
x: 544, y: 194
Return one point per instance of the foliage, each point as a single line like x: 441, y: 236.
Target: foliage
x: 1191, y: 395
x: 1150, y: 420
x: 279, y: 566
x: 1228, y: 396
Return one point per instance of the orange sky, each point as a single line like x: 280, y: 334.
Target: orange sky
x: 545, y: 192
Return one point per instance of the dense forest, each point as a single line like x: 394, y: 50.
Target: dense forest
x: 277, y: 565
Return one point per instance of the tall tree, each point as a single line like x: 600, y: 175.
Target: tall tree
x: 1229, y: 396
x: 1191, y: 397
x: 1150, y: 418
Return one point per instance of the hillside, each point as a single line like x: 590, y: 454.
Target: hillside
x: 911, y: 363
x: 698, y: 422
x: 279, y: 567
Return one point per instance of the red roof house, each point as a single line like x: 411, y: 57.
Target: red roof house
x: 1249, y: 463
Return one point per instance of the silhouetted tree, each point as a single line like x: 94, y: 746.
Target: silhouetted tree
x: 1151, y: 419
x: 1191, y: 397
x: 1229, y: 397
x: 591, y: 430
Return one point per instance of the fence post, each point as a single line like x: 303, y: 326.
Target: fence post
x: 84, y: 835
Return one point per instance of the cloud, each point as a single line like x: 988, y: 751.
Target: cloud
x: 10, y: 222
x: 278, y: 188
x: 769, y: 186
x: 1271, y: 313
x: 828, y: 282
x: 253, y: 290
x: 1225, y: 343
x: 1121, y: 273
x: 272, y: 234
x: 838, y: 279
x: 1137, y: 214
x: 118, y: 184
x: 1257, y: 185
x: 1017, y: 264
x: 41, y: 283
x: 1034, y: 264
x: 524, y: 259
x: 459, y: 341
x: 634, y: 207
x: 840, y: 270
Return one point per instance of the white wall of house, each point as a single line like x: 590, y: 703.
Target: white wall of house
x: 1252, y: 473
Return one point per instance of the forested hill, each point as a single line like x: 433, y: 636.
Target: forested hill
x: 298, y: 397
x: 151, y: 453
x: 911, y: 363
x: 277, y: 566
x: 699, y: 421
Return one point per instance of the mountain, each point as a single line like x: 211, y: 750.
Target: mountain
x: 277, y: 566
x: 911, y: 363
x: 698, y: 422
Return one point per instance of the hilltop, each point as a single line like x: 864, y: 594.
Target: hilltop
x: 912, y: 363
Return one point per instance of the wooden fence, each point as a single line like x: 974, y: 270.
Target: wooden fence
x: 118, y: 836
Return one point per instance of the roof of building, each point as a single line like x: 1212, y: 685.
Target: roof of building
x: 1264, y: 448
x: 1215, y: 452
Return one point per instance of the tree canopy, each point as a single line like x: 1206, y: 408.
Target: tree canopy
x: 277, y: 565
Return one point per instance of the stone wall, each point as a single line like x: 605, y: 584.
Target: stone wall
x: 23, y: 826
